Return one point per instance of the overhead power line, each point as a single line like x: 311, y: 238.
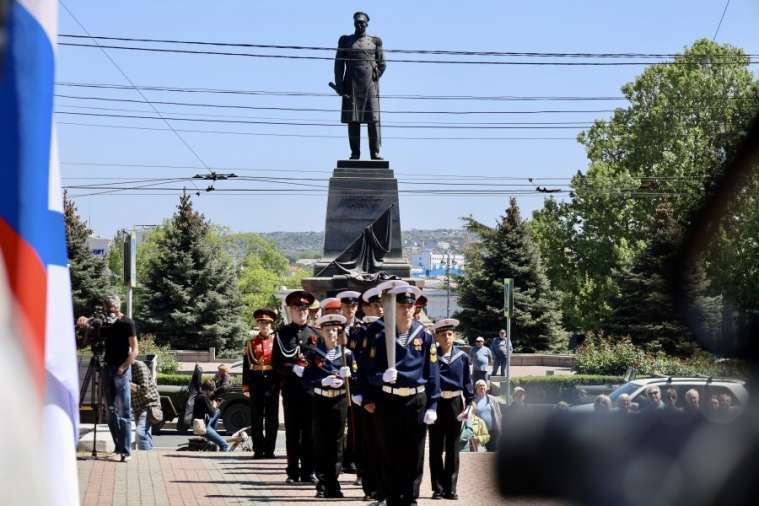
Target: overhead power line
x: 719, y: 25
x: 695, y: 61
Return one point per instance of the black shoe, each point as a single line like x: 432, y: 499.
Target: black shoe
x: 377, y: 157
x: 291, y: 481
x: 269, y: 455
x: 437, y: 495
x: 355, y: 156
x: 258, y: 456
x: 320, y: 494
x: 453, y: 496
x: 309, y: 479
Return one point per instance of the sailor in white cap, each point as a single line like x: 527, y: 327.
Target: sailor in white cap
x: 410, y: 389
x: 456, y: 393
x: 328, y: 374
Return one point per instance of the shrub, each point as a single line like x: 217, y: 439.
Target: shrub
x: 167, y: 363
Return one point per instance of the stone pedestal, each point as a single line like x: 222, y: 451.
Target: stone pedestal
x: 360, y: 191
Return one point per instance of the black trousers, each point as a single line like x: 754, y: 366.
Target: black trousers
x: 264, y: 412
x: 354, y: 138
x: 352, y: 453
x: 370, y: 451
x: 298, y: 441
x: 403, y: 432
x: 328, y: 428
x: 444, y: 437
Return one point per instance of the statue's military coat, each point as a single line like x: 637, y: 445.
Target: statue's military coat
x: 359, y: 64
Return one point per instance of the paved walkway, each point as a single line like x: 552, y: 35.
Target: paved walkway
x: 190, y: 478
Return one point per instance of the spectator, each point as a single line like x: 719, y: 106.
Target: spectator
x: 520, y: 398
x: 474, y: 433
x: 207, y: 409
x: 670, y: 401
x: 144, y: 396
x: 501, y: 349
x: 602, y: 404
x: 624, y: 404
x: 222, y: 381
x: 713, y: 407
x: 489, y: 409
x: 692, y: 402
x: 654, y: 396
x: 481, y: 358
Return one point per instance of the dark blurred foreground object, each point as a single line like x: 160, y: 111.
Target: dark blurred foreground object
x: 651, y: 459
x: 5, y: 6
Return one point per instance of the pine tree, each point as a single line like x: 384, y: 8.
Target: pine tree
x: 507, y: 251
x: 89, y: 279
x: 644, y: 309
x: 189, y: 297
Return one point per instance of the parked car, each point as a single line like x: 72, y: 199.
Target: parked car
x: 706, y: 387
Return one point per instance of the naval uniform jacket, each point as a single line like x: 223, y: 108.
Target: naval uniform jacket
x: 416, y: 362
x: 455, y: 374
x: 320, y: 366
x: 291, y: 343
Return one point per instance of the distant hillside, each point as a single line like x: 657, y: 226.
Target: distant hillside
x: 297, y: 245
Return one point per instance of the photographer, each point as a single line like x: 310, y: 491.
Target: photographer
x: 117, y: 334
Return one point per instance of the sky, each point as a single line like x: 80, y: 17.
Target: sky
x: 96, y: 150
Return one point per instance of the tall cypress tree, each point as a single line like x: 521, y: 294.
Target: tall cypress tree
x: 644, y: 309
x: 89, y: 278
x: 507, y: 251
x: 189, y: 297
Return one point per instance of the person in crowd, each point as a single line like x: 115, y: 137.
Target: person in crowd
x: 456, y: 392
x: 223, y: 381
x: 474, y: 433
x: 602, y: 404
x: 692, y: 402
x: 372, y: 299
x: 501, y: 348
x: 410, y: 390
x: 670, y: 401
x: 260, y: 383
x: 144, y: 397
x: 288, y: 360
x: 419, y: 307
x: 331, y: 305
x: 654, y: 397
x: 207, y: 409
x: 121, y: 349
x: 624, y: 404
x: 489, y: 411
x: 520, y: 399
x: 482, y: 359
x: 329, y: 368
x: 354, y: 333
x: 314, y: 312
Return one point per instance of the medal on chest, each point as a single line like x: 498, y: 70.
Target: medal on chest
x: 418, y: 344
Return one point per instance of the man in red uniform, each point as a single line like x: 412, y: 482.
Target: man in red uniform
x: 260, y: 383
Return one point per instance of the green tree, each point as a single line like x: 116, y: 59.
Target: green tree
x: 190, y: 296
x: 89, y: 279
x: 507, y: 251
x: 683, y: 121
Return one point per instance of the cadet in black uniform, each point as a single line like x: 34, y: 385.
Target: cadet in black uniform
x: 456, y: 394
x: 259, y: 381
x: 290, y: 344
x: 329, y: 367
x: 408, y: 399
x: 354, y: 331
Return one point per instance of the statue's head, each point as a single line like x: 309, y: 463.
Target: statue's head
x: 361, y: 21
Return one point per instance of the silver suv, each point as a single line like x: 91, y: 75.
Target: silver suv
x: 706, y: 388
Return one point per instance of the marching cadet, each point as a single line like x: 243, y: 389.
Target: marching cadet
x: 372, y: 302
x: 288, y: 359
x: 456, y: 394
x: 328, y: 375
x: 260, y: 383
x: 410, y: 389
x: 353, y: 335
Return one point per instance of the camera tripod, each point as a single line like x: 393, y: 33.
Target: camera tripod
x: 93, y: 379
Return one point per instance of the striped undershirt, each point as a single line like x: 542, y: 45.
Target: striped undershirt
x: 332, y: 354
x: 403, y: 338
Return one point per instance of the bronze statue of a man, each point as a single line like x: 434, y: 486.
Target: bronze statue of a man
x: 359, y: 64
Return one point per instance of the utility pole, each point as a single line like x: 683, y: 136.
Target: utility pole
x: 448, y: 284
x: 130, y: 269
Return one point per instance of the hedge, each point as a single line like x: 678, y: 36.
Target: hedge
x: 552, y: 389
x: 182, y: 379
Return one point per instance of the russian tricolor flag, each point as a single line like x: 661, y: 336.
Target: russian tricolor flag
x: 35, y: 285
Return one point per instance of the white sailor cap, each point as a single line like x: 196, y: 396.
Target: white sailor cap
x: 348, y: 297
x: 406, y: 294
x: 372, y: 293
x: 330, y: 303
x: 389, y: 285
x: 445, y: 324
x: 331, y: 319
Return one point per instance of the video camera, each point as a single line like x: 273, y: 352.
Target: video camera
x: 95, y: 331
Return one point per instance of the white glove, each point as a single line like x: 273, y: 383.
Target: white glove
x: 430, y: 416
x: 327, y: 381
x: 464, y: 415
x: 298, y: 370
x: 336, y: 382
x: 390, y: 375
x: 345, y: 372
x: 357, y: 399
